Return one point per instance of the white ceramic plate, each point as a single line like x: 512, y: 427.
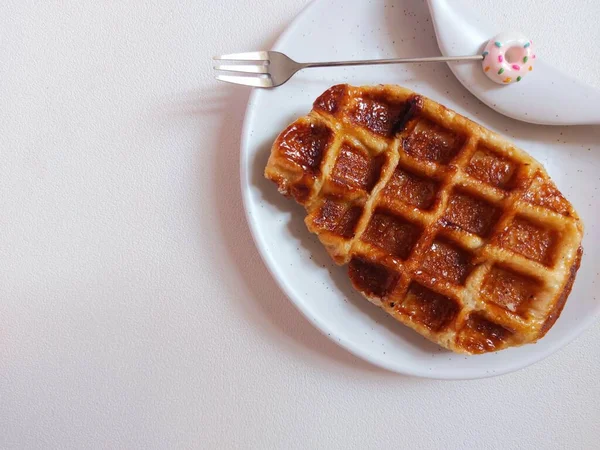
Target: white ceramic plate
x: 329, y: 30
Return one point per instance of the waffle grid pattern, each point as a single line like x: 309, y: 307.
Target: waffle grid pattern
x: 446, y: 226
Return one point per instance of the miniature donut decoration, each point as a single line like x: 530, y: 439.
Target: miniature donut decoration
x: 508, y: 57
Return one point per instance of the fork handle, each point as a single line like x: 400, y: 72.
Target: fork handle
x: 366, y: 62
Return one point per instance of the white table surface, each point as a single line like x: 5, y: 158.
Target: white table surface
x: 136, y: 312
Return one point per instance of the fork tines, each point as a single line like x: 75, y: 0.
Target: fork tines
x: 253, y: 66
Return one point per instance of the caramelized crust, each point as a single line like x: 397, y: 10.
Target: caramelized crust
x: 471, y: 214
x: 491, y: 168
x: 445, y: 225
x: 509, y: 289
x: 429, y: 142
x: 356, y: 169
x: 446, y: 260
x: 428, y: 308
x: 410, y: 189
x: 372, y: 279
x: 378, y: 113
x: 393, y: 235
x: 530, y: 240
x: 337, y: 217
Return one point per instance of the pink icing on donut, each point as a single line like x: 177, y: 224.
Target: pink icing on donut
x: 508, y: 57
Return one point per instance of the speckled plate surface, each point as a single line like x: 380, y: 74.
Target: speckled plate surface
x: 329, y: 30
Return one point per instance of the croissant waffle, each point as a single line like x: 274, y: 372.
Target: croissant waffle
x: 447, y: 226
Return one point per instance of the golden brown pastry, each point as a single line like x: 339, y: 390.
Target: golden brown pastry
x: 447, y: 226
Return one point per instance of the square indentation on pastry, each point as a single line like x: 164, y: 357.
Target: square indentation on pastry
x: 472, y: 214
x: 379, y: 113
x: 480, y: 335
x: 411, y: 189
x: 336, y: 217
x: 371, y: 278
x: 509, y: 289
x: 332, y: 99
x: 305, y: 143
x: 434, y: 310
x: 531, y: 240
x: 543, y: 192
x: 491, y: 168
x: 447, y: 260
x: 391, y: 233
x: 355, y: 168
x: 430, y: 142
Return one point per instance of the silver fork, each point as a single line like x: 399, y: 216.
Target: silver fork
x: 267, y: 69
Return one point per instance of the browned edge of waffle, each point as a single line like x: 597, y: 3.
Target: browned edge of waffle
x: 562, y: 300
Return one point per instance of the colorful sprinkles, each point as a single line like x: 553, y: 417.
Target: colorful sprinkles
x: 501, y: 69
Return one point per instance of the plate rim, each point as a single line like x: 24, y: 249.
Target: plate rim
x: 322, y: 326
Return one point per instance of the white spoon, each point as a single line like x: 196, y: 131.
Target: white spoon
x: 547, y: 96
